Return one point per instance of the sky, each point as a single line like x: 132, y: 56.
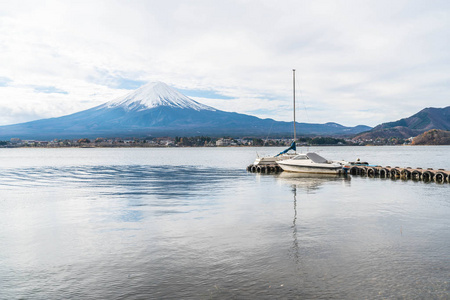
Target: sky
x: 357, y: 62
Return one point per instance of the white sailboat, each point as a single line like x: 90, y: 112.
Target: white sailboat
x: 310, y: 162
x: 284, y: 155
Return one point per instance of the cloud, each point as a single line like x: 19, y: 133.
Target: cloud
x: 114, y: 80
x: 357, y: 62
x: 49, y: 90
x: 4, y: 81
x: 209, y: 94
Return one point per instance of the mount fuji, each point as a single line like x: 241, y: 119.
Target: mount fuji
x: 156, y: 109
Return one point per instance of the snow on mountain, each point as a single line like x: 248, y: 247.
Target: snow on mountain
x: 155, y: 94
x: 155, y: 109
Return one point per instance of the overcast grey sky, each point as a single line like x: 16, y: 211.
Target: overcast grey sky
x: 358, y: 62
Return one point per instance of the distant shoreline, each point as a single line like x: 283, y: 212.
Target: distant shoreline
x: 195, y: 141
x: 165, y: 147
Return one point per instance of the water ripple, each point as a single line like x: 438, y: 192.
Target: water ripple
x: 126, y: 181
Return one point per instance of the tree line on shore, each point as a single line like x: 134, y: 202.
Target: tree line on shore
x: 201, y: 141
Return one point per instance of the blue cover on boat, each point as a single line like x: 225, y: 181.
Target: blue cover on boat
x: 291, y: 147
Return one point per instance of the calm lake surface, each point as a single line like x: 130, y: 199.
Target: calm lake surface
x: 191, y: 223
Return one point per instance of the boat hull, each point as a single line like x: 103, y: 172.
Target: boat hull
x: 310, y: 169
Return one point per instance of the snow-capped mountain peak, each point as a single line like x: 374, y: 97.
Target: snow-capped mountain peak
x: 156, y: 94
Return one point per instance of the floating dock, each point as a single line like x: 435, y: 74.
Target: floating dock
x: 426, y: 175
x: 264, y: 168
x: 418, y: 174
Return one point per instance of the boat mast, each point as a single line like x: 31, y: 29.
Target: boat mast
x: 293, y: 73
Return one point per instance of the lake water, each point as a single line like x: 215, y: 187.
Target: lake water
x: 191, y: 223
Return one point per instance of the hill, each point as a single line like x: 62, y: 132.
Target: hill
x: 426, y: 119
x: 433, y: 137
x: 156, y: 109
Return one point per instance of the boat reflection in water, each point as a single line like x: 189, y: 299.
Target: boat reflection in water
x: 310, y: 181
x: 307, y: 183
